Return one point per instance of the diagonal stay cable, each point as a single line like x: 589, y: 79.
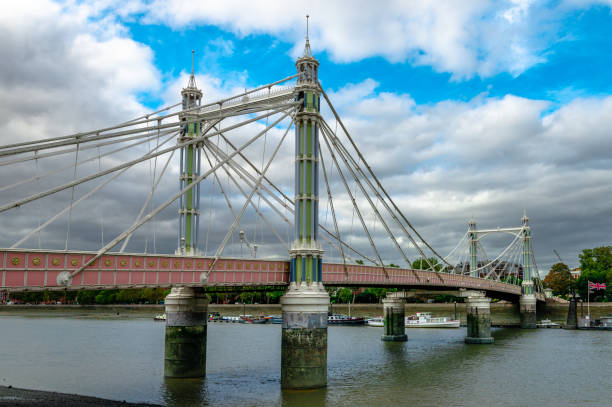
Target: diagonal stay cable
x: 149, y: 197
x: 345, y: 154
x: 364, y: 192
x: 246, y: 204
x: 167, y: 203
x: 80, y: 135
x: 348, y: 190
x: 57, y: 215
x: 331, y: 204
x: 284, y: 196
x: 97, y: 157
x: 237, y: 184
x: 148, y: 156
x: 383, y: 190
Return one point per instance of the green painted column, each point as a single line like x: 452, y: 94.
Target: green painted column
x: 473, y: 248
x: 306, y: 302
x: 185, y: 342
x: 394, y: 311
x: 528, y: 301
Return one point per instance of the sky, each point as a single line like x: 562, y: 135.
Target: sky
x: 466, y: 109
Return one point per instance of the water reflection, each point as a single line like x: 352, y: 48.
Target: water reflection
x: 304, y: 398
x: 185, y: 392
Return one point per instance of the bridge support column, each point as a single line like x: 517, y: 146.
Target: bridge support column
x: 394, y: 312
x: 572, y: 314
x: 527, y: 306
x: 185, y: 347
x: 304, y: 337
x: 478, y: 308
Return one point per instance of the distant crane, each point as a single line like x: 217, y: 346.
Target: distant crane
x: 559, y: 257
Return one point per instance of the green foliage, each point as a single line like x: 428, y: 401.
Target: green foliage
x: 86, y: 297
x: 596, y: 267
x: 421, y: 264
x: 359, y: 261
x: 559, y: 279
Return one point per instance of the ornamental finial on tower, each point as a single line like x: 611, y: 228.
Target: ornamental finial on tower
x: 525, y: 219
x: 192, y: 96
x: 307, y: 51
x: 192, y: 82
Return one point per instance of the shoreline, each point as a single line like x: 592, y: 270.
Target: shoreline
x: 17, y: 397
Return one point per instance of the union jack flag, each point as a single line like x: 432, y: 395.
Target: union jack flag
x: 597, y: 286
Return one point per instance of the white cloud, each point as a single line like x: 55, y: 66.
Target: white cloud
x: 479, y: 37
x: 489, y: 158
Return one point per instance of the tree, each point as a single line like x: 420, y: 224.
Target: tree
x: 596, y: 267
x: 359, y: 261
x: 559, y: 279
x: 421, y: 264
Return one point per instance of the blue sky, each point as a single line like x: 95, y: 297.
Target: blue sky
x: 466, y: 108
x: 574, y: 64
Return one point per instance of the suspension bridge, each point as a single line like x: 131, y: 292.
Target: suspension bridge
x: 224, y: 158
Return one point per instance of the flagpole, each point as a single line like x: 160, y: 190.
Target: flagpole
x: 589, y: 301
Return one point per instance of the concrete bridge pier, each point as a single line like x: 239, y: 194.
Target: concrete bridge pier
x: 478, y: 308
x: 185, y: 347
x: 527, y: 306
x: 304, y: 337
x: 394, y: 311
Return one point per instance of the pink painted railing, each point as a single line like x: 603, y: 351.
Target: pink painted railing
x: 37, y: 270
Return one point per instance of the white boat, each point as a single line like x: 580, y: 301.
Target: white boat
x: 159, y: 317
x: 376, y: 321
x: 425, y: 320
x: 547, y: 323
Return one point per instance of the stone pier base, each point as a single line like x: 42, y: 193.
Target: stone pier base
x: 478, y: 318
x: 527, y: 310
x: 394, y: 312
x: 185, y: 347
x: 304, y: 337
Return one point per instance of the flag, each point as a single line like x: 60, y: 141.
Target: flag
x: 597, y: 286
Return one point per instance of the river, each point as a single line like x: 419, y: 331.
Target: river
x: 121, y: 358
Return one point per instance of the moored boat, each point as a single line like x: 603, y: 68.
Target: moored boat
x: 159, y: 317
x: 425, y: 320
x: 376, y: 321
x: 276, y: 319
x: 337, y: 319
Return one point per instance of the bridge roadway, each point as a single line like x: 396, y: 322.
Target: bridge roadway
x: 34, y: 270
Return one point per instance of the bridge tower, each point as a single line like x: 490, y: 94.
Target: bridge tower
x: 189, y: 203
x: 305, y: 304
x: 527, y: 302
x: 187, y: 307
x: 473, y: 248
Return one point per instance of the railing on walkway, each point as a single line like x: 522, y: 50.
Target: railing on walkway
x: 38, y: 269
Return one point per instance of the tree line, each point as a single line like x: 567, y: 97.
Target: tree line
x: 595, y: 266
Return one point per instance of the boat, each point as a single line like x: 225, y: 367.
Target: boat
x: 425, y: 320
x: 276, y: 319
x: 159, y: 317
x: 376, y: 321
x: 337, y: 319
x: 547, y: 323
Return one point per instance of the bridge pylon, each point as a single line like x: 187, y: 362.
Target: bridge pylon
x: 305, y: 304
x: 528, y: 301
x: 189, y: 203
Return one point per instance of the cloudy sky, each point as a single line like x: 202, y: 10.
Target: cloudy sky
x: 465, y: 109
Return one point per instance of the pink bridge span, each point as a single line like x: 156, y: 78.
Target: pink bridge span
x: 34, y: 270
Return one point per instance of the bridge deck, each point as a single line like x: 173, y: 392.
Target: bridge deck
x: 38, y: 270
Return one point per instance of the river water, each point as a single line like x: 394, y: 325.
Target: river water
x: 122, y: 359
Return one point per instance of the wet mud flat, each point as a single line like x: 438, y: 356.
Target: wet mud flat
x: 10, y: 396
